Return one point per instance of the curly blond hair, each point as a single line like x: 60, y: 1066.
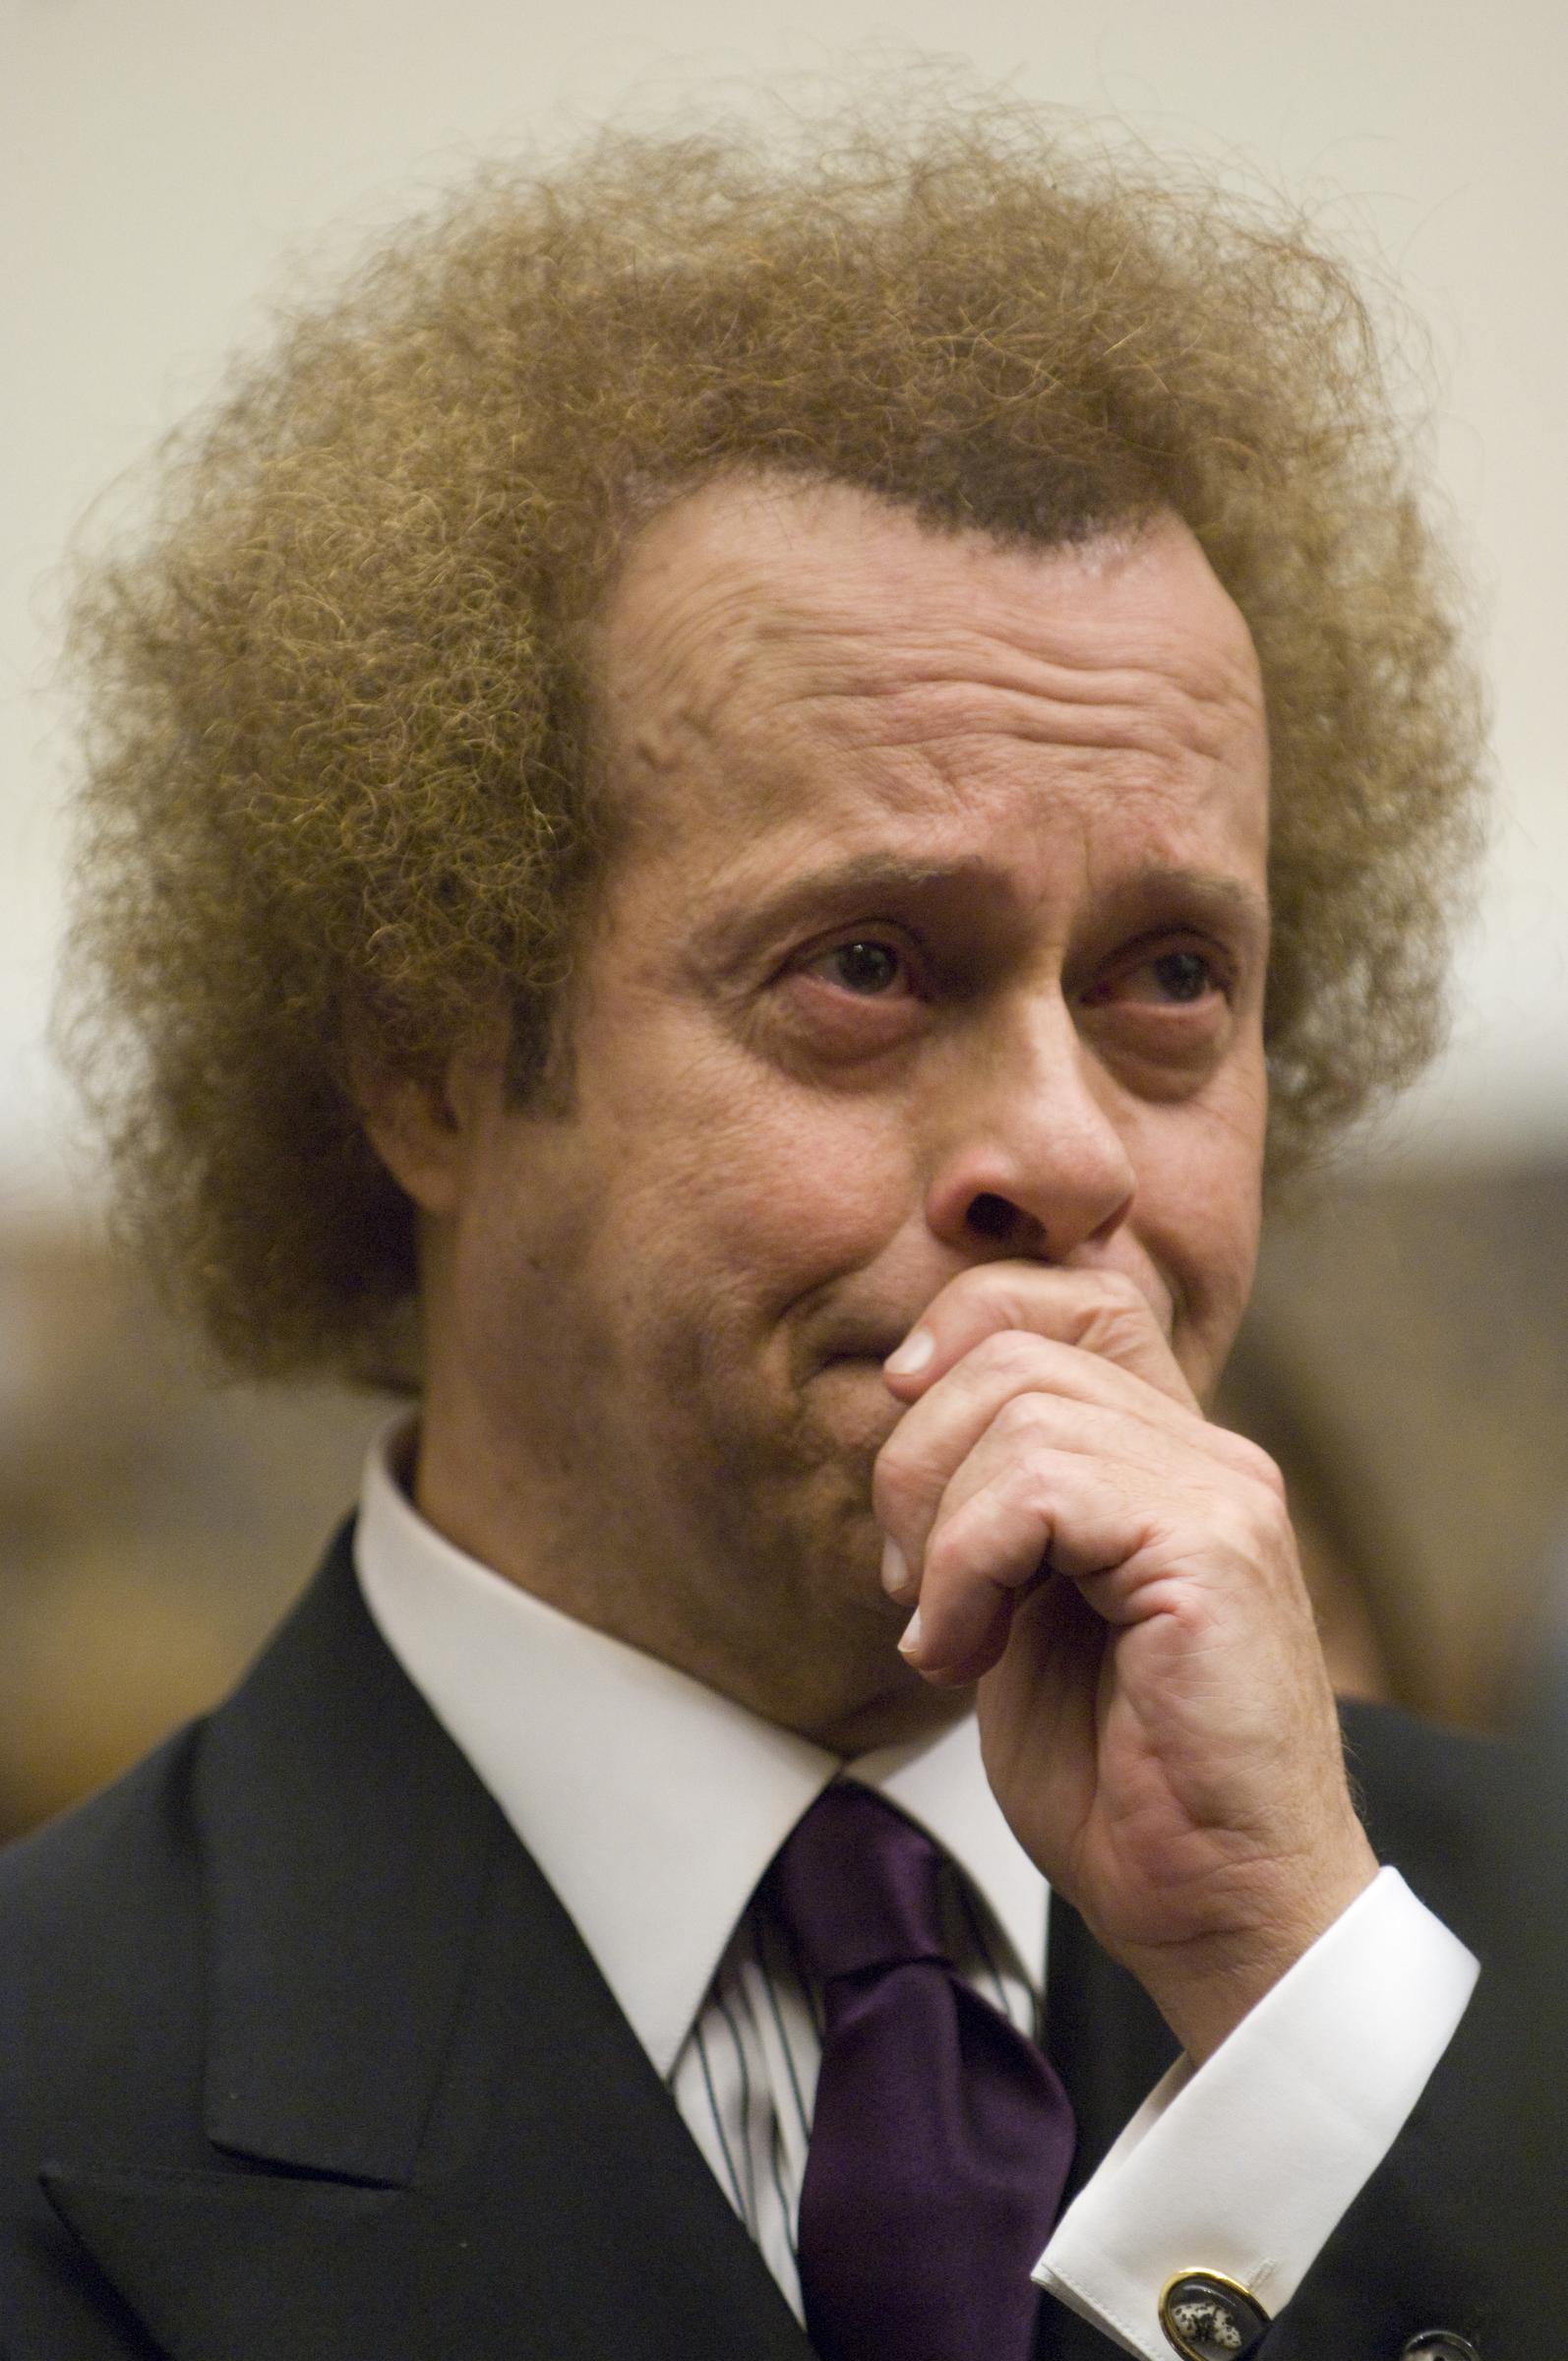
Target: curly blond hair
x: 338, y: 755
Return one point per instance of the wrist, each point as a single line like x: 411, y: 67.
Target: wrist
x: 1205, y: 1985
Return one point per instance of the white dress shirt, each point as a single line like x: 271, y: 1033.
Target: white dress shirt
x: 653, y: 1805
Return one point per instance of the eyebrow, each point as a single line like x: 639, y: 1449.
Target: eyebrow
x: 1211, y: 893
x: 731, y: 933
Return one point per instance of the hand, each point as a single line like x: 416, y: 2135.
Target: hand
x: 1121, y: 1578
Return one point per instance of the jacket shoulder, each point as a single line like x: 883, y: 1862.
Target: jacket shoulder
x: 100, y: 1947
x: 102, y: 1848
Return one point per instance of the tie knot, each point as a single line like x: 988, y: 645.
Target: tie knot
x: 858, y: 1886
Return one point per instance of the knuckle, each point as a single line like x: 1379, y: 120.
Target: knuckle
x: 1116, y: 1313
x: 1251, y: 1460
x: 941, y: 1562
x: 1010, y: 1354
x: 1024, y: 1420
x: 954, y: 1563
x: 1118, y: 1288
x: 900, y: 1485
x: 997, y: 1300
x: 1253, y: 1529
x: 993, y: 1283
x: 972, y: 1297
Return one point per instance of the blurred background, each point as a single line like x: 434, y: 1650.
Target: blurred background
x: 171, y: 171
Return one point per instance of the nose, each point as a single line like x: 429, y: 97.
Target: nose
x: 1030, y: 1158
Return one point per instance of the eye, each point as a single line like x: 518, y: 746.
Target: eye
x: 1183, y: 975
x: 1181, y: 978
x: 852, y: 998
x: 866, y: 967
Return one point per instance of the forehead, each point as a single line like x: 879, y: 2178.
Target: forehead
x: 759, y: 626
x: 825, y: 575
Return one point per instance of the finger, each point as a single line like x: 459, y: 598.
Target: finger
x: 993, y: 1555
x: 954, y: 1661
x: 1101, y: 1313
x: 1026, y: 1392
x: 1005, y: 1524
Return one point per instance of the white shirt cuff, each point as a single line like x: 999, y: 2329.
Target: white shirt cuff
x: 1245, y: 2165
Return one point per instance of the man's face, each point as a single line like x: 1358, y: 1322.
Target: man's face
x: 938, y: 935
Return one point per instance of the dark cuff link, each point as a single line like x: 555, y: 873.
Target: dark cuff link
x: 1207, y: 2317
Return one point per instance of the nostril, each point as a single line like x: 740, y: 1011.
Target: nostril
x: 992, y: 1217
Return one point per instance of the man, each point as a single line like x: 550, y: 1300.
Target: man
x: 687, y: 790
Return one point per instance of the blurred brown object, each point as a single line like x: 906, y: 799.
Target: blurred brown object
x: 152, y: 1527
x: 1404, y: 1362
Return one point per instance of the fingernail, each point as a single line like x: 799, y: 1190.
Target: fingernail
x: 911, y: 1354
x: 895, y: 1569
x: 910, y: 1642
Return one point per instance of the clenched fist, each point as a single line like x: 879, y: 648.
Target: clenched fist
x: 1122, y: 1579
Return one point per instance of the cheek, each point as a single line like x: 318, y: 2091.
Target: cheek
x: 1201, y: 1205
x: 1225, y: 1257
x: 776, y: 1195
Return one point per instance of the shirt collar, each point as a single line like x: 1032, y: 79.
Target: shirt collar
x: 606, y: 1761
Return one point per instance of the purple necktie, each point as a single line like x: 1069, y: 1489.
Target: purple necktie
x: 941, y: 2138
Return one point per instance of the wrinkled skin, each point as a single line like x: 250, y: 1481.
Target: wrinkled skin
x: 924, y: 1002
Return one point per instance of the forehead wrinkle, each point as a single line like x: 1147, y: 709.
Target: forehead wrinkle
x: 724, y: 655
x: 674, y: 683
x: 1168, y: 726
x: 732, y: 660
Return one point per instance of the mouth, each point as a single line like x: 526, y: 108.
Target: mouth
x: 870, y: 1338
x: 867, y: 1360
x: 864, y: 1411
x: 857, y: 1366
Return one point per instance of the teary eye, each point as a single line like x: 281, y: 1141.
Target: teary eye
x: 865, y: 966
x: 850, y: 998
x: 1183, y: 975
x: 1151, y: 981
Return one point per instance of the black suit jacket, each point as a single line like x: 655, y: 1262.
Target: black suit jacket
x: 301, y: 2060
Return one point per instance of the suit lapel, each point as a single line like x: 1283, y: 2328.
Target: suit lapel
x: 432, y: 2128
